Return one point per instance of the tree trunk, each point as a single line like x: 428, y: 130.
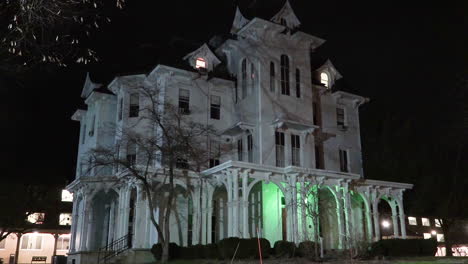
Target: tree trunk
x: 165, y: 252
x: 448, y: 241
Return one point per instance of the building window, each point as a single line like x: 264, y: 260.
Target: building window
x: 63, y: 243
x: 298, y: 83
x: 131, y: 154
x: 412, y: 220
x: 344, y: 160
x: 440, y: 238
x: 319, y: 157
x: 425, y: 221
x: 182, y: 163
x: 252, y: 76
x: 315, y: 113
x: 67, y: 196
x: 120, y: 109
x: 340, y: 117
x: 437, y: 223
x: 215, y: 152
x: 284, y: 75
x: 65, y: 219
x: 215, y: 109
x: 244, y: 78
x: 36, y: 218
x: 240, y: 150
x: 83, y: 136
x: 324, y: 79
x: 3, y: 243
x: 91, y: 131
x: 200, y: 63
x: 31, y: 241
x: 427, y: 235
x: 272, y: 77
x: 134, y: 105
x: 279, y: 142
x: 184, y: 101
x: 249, y: 148
x: 295, y: 150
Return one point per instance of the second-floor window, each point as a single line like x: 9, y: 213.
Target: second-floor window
x: 134, y: 105
x: 298, y: 83
x: 215, y: 107
x: 319, y: 157
x: 272, y: 76
x: 240, y: 150
x: 279, y: 148
x: 182, y: 163
x: 184, y: 101
x: 285, y: 75
x: 83, y: 136
x: 343, y: 160
x: 93, y: 123
x: 215, y: 151
x: 250, y: 148
x: 244, y: 78
x: 252, y: 77
x: 120, y: 114
x: 295, y: 150
x: 340, y: 117
x: 65, y: 219
x: 131, y: 154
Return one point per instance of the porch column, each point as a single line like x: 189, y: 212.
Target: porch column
x: 83, y: 228
x: 375, y: 212
x: 56, y: 236
x: 196, y: 224
x: 303, y: 203
x: 203, y: 217
x: 294, y: 208
x: 393, y: 206
x: 347, y: 216
x: 235, y: 223
x: 210, y: 220
x: 401, y: 212
x: 75, y: 216
x: 340, y: 218
x: 369, y: 227
x: 245, y: 204
x: 89, y: 228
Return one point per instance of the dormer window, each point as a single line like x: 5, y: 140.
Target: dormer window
x: 200, y: 63
x: 324, y: 79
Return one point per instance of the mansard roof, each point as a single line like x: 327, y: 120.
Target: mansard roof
x: 287, y: 15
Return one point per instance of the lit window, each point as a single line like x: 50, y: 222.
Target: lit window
x: 67, y: 196
x: 184, y: 101
x: 437, y: 222
x: 324, y: 79
x: 427, y: 235
x: 285, y: 75
x: 440, y: 238
x: 412, y: 220
x: 63, y: 243
x: 36, y: 218
x: 279, y: 141
x: 134, y: 105
x: 344, y: 160
x: 295, y: 150
x: 200, y: 63
x: 65, y: 219
x: 425, y: 221
x: 31, y: 241
x: 2, y: 243
x: 215, y: 107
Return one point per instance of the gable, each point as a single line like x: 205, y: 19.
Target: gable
x: 286, y: 17
x: 204, y: 53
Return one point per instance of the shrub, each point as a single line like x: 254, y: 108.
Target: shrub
x: 227, y: 247
x: 264, y: 245
x: 156, y: 250
x: 404, y: 247
x: 284, y: 249
x: 306, y: 249
x: 210, y: 251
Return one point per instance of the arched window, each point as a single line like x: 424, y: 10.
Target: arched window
x: 244, y: 78
x: 298, y: 83
x: 272, y: 77
x: 324, y: 79
x: 252, y: 76
x: 284, y: 74
x: 200, y: 63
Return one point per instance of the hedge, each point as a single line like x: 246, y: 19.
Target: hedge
x: 404, y: 247
x: 284, y: 249
x: 306, y: 249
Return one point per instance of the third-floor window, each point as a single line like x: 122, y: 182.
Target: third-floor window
x: 279, y: 149
x: 340, y: 117
x: 184, y: 101
x: 285, y: 75
x: 298, y: 83
x: 295, y: 150
x: 344, y: 160
x: 134, y: 105
x: 215, y: 107
x: 272, y: 76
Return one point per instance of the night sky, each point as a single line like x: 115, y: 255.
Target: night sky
x: 404, y: 57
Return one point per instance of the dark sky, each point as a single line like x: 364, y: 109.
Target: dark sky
x: 402, y: 56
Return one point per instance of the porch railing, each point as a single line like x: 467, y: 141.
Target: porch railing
x: 115, y: 248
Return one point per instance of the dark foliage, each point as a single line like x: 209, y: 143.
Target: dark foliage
x: 404, y: 247
x: 284, y: 249
x: 174, y: 249
x: 306, y: 249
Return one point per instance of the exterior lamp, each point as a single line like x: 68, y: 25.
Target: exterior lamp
x: 385, y: 224
x: 433, y: 232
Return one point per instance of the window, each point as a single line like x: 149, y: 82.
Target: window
x: 63, y: 243
x: 3, y: 243
x: 315, y: 113
x: 295, y: 150
x: 252, y: 76
x: 283, y: 22
x: 324, y: 79
x: 215, y: 109
x: 244, y: 78
x: 134, y: 105
x: 67, y: 196
x: 440, y: 238
x: 91, y: 131
x: 182, y: 163
x: 343, y: 160
x: 31, y: 241
x: 184, y: 101
x: 319, y: 156
x: 249, y: 148
x: 427, y: 235
x: 425, y: 221
x: 83, y: 136
x: 279, y: 141
x: 272, y: 77
x: 298, y: 83
x: 131, y: 154
x: 412, y: 220
x: 340, y: 117
x: 240, y: 150
x: 200, y: 63
x: 65, y: 219
x: 36, y: 218
x: 438, y: 223
x: 120, y: 109
x: 215, y: 151
x: 284, y: 75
